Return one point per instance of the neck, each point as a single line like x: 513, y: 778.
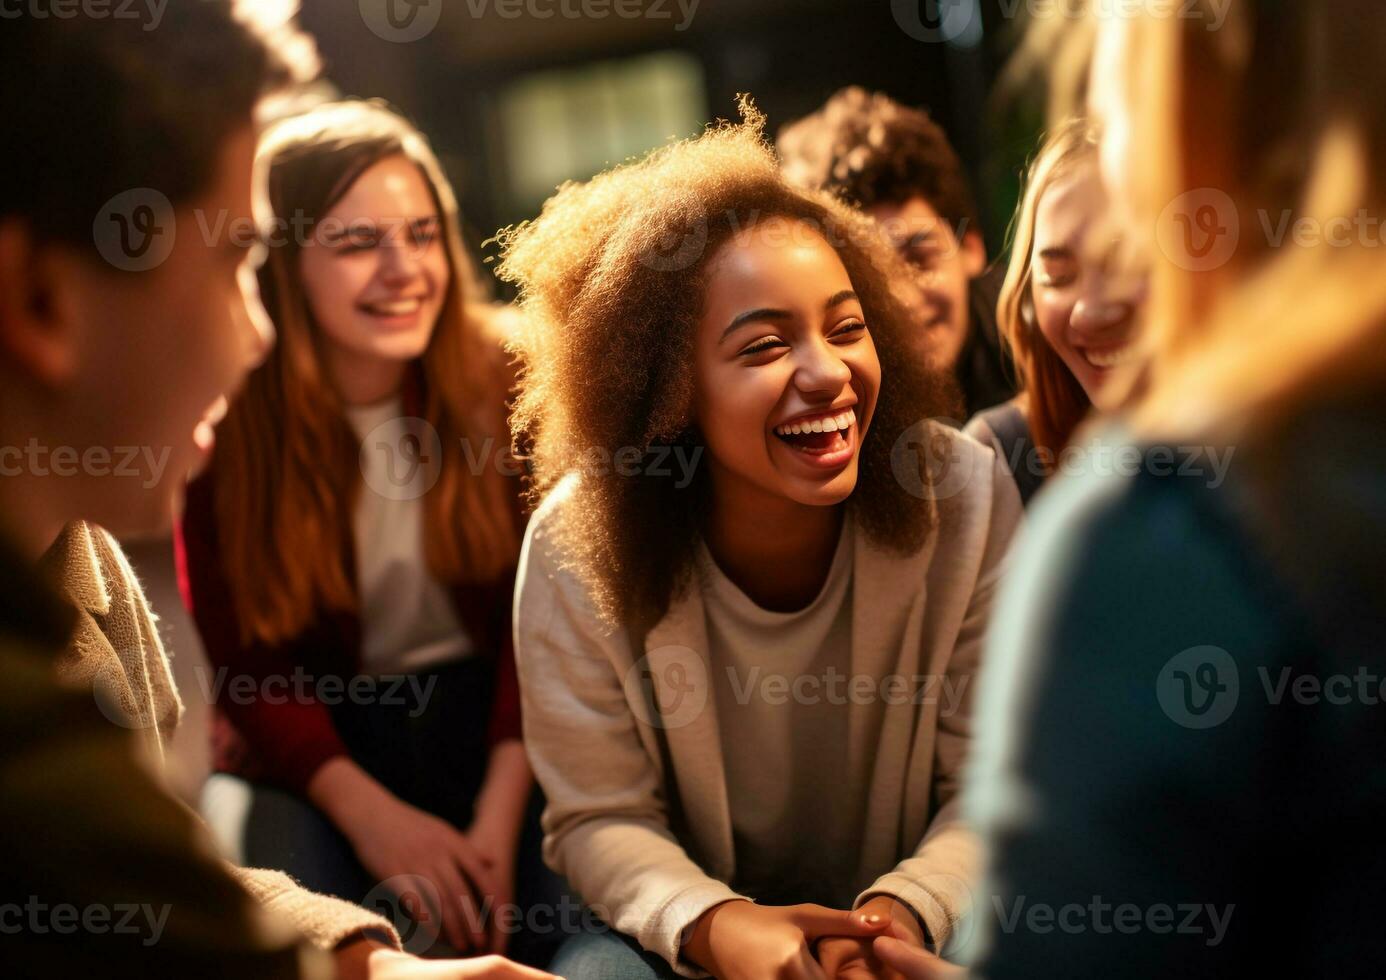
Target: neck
x: 776, y: 550
x: 365, y: 380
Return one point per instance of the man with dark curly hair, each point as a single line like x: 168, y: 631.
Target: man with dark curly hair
x: 896, y: 164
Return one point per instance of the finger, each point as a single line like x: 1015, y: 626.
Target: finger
x: 473, y: 917
x: 481, y: 894
x: 499, y: 931
x: 454, y: 888
x: 499, y: 968
x: 817, y: 921
x: 913, y: 962
x: 805, y: 967
x: 899, y: 931
x: 484, y: 879
x: 832, y: 953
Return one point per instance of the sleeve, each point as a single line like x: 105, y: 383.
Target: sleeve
x: 1119, y: 823
x: 294, y: 736
x: 936, y: 880
x: 324, y: 920
x: 606, y: 824
x: 117, y: 876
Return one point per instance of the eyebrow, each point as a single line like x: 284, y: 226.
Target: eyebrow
x: 771, y: 313
x: 924, y: 237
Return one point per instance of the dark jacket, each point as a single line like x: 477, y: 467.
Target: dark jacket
x: 984, y: 370
x: 1184, y: 714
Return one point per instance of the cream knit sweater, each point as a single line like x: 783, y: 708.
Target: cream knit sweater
x: 116, y: 650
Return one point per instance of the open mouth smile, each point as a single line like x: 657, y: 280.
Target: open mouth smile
x: 826, y: 440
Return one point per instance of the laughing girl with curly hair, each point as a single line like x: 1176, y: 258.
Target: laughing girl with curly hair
x: 750, y: 602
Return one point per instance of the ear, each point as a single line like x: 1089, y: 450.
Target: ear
x: 38, y: 320
x: 974, y: 254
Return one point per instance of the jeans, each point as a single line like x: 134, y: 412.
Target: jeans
x: 606, y: 954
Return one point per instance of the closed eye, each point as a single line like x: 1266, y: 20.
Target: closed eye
x: 850, y: 330
x: 760, y: 346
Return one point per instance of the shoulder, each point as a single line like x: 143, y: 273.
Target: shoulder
x: 548, y: 576
x: 1148, y: 536
x: 974, y: 494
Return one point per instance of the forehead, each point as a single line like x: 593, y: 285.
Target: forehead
x: 393, y: 187
x: 1068, y: 206
x: 903, y: 220
x: 775, y: 262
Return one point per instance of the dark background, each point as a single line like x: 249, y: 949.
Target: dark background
x: 457, y: 82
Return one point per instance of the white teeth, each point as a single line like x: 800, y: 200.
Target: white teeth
x: 402, y: 307
x: 1110, y: 358
x: 832, y: 423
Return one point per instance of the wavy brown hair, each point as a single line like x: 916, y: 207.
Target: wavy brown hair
x: 287, y: 472
x: 1057, y: 402
x: 611, y: 279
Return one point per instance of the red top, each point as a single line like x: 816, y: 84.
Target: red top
x: 284, y: 740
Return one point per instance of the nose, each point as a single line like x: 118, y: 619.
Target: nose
x: 1109, y: 302
x: 398, y: 261
x: 821, y: 371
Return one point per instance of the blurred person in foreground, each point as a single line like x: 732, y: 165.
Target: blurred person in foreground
x: 121, y: 142
x: 1179, y: 734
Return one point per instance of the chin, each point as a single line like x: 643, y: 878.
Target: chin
x: 828, y: 493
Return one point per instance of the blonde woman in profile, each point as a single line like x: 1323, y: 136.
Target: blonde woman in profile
x: 1179, y: 746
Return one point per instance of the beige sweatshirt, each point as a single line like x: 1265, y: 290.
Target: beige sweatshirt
x: 623, y: 730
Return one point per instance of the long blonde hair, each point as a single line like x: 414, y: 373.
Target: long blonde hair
x: 1056, y: 401
x: 1243, y: 345
x: 286, y: 471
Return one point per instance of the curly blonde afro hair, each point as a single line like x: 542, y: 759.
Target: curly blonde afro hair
x: 611, y: 279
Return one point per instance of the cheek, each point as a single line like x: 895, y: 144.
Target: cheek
x: 436, y: 266
x: 1053, y: 313
x: 733, y: 409
x: 332, y: 286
